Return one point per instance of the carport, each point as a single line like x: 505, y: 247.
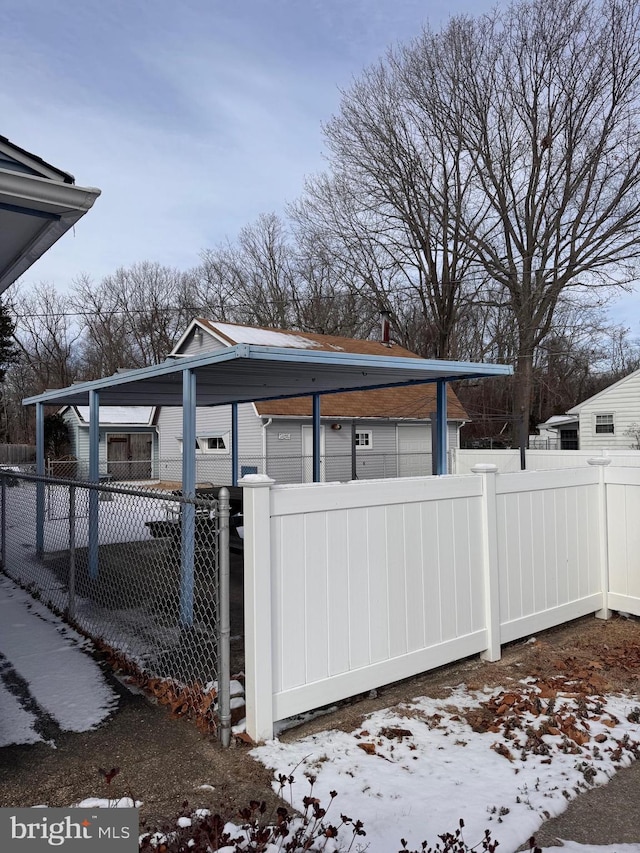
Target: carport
x: 243, y: 373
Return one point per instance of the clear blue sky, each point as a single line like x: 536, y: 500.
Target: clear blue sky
x: 192, y: 116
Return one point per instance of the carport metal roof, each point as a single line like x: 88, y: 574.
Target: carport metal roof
x: 249, y: 373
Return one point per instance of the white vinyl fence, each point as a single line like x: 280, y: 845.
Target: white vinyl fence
x: 508, y: 461
x: 351, y: 586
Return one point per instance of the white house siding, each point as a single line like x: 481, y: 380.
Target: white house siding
x: 622, y: 400
x: 215, y: 467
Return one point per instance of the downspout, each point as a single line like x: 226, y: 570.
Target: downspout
x: 264, y: 443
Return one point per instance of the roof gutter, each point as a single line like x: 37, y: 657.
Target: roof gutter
x: 61, y: 204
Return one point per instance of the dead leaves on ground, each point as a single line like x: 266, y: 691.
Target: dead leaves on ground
x: 564, y: 706
x: 192, y: 701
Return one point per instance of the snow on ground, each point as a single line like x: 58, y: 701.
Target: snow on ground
x: 122, y: 518
x: 415, y: 770
x: 44, y: 672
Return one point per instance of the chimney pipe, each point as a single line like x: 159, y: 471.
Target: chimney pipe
x: 384, y: 319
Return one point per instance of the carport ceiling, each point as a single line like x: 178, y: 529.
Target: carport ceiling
x: 38, y: 204
x: 249, y: 373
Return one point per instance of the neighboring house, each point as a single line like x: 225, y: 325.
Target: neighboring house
x: 611, y: 419
x: 607, y: 421
x: 389, y: 427
x: 128, y: 440
x: 560, y: 432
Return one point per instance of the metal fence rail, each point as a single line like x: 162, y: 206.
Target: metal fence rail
x: 123, y: 579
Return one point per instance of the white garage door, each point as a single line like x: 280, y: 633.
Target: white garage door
x: 414, y: 451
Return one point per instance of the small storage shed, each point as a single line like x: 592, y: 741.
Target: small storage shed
x: 128, y: 444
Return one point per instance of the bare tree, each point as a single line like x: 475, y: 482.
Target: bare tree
x: 490, y: 170
x: 134, y: 317
x: 47, y: 338
x: 546, y: 107
x: 390, y: 209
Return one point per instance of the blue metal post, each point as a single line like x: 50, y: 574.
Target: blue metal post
x: 316, y: 438
x: 441, y: 432
x: 40, y: 483
x: 234, y: 444
x: 94, y: 477
x: 187, y: 549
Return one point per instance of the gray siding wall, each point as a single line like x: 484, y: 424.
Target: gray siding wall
x: 211, y: 467
x: 284, y: 449
x: 208, y: 344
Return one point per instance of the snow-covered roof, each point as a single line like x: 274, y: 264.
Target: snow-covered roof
x: 129, y: 415
x: 556, y: 421
x: 268, y: 337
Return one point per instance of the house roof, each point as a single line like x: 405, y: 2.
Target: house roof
x: 119, y: 415
x: 250, y: 373
x: 414, y: 402
x: 576, y: 409
x: 38, y: 204
x: 556, y: 421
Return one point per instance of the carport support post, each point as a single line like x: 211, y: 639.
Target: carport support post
x: 234, y: 444
x: 316, y: 438
x: 39, y: 483
x: 258, y: 606
x: 441, y: 427
x: 94, y: 477
x: 188, y: 514
x: 490, y: 559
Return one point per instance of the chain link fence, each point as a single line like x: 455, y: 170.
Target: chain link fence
x: 146, y: 571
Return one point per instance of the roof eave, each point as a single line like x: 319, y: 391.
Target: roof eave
x: 66, y: 203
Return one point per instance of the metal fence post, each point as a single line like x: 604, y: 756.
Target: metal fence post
x: 71, y: 584
x: 224, y: 655
x: 3, y: 523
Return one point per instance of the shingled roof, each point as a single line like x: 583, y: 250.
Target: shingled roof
x: 414, y: 402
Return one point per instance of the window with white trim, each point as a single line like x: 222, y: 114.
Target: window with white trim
x: 211, y: 443
x: 605, y: 424
x: 364, y: 439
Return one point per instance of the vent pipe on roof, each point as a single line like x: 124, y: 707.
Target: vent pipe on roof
x: 384, y: 320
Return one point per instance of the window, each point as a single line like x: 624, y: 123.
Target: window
x: 364, y: 439
x: 211, y: 443
x: 215, y: 442
x: 604, y: 425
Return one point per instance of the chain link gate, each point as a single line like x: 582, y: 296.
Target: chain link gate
x: 119, y: 564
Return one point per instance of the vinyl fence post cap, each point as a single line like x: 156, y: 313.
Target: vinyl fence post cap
x: 485, y: 468
x: 256, y: 480
x: 599, y: 460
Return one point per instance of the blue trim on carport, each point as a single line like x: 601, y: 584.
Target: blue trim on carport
x: 332, y: 380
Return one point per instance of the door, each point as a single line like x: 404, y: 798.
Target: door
x: 414, y: 450
x: 307, y: 454
x: 129, y: 455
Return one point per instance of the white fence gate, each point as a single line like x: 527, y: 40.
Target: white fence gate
x: 352, y: 586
